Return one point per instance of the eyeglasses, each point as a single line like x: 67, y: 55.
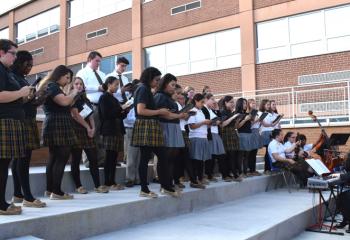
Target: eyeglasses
x: 12, y: 52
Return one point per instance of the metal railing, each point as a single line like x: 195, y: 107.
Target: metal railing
x: 329, y: 101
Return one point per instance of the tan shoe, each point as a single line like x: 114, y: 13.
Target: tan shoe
x: 116, y: 187
x: 227, y: 179
x: 17, y: 199
x: 101, y: 189
x: 81, y: 190
x: 35, y: 204
x: 11, y: 210
x: 47, y: 193
x: 65, y: 196
x: 174, y: 194
x: 197, y: 185
x: 256, y: 173
x: 238, y: 179
x: 204, y: 182
x: 148, y: 195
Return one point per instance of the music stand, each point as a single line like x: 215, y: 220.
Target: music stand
x: 339, y: 139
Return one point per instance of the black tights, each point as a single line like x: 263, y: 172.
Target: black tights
x: 252, y: 160
x: 267, y: 161
x: 4, y: 166
x: 109, y: 167
x: 235, y: 162
x: 91, y: 154
x: 163, y: 167
x: 188, y: 166
x: 224, y: 167
x: 243, y: 155
x: 198, y: 168
x: 20, y: 175
x: 58, y: 158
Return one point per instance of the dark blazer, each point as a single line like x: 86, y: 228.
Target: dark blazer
x: 111, y: 115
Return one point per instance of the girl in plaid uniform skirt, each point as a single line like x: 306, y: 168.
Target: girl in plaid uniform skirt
x: 230, y: 137
x: 12, y: 139
x: 84, y: 128
x: 147, y: 132
x: 20, y: 167
x: 112, y: 129
x: 58, y: 131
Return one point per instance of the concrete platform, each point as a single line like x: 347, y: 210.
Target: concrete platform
x: 274, y: 215
x: 93, y: 214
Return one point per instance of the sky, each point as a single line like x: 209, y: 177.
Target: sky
x: 5, y: 5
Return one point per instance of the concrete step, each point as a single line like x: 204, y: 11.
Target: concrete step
x: 275, y: 215
x: 93, y: 214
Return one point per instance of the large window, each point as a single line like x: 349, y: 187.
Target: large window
x: 199, y: 54
x: 38, y: 26
x: 82, y: 11
x: 4, y: 33
x: 303, y: 35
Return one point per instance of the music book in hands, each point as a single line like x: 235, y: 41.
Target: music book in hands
x: 318, y: 166
x: 263, y: 116
x: 277, y: 118
x: 86, y: 111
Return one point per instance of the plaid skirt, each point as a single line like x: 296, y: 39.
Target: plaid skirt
x: 31, y: 133
x: 58, y: 130
x: 186, y: 139
x: 113, y: 143
x: 83, y: 140
x: 230, y: 138
x: 148, y: 133
x: 12, y: 139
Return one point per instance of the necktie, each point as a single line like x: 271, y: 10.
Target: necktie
x: 98, y: 78
x: 121, y: 85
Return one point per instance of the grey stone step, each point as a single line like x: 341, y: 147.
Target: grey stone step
x: 93, y: 214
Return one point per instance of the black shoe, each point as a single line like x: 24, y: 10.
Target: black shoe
x: 342, y: 224
x: 119, y: 164
x: 155, y: 180
x: 129, y: 184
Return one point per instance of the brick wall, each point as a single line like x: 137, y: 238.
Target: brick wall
x: 285, y: 73
x: 221, y: 81
x: 119, y: 30
x: 265, y: 3
x: 50, y: 45
x: 157, y: 18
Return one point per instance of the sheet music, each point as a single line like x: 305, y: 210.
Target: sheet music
x: 318, y: 166
x: 86, y: 111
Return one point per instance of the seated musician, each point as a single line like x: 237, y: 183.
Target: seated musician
x: 343, y: 201
x: 277, y: 153
x: 305, y: 149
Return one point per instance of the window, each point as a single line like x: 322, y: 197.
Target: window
x: 205, y: 53
x: 38, y: 51
x: 4, y: 33
x: 97, y: 33
x: 186, y: 7
x: 313, y: 33
x: 82, y: 11
x: 38, y: 26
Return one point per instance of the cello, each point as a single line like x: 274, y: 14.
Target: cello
x: 324, y: 149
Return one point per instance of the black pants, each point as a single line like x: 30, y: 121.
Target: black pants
x: 252, y: 160
x: 184, y: 154
x: 20, y: 174
x: 343, y: 205
x: 176, y: 164
x: 110, y: 165
x: 58, y: 158
x: 224, y: 167
x: 299, y: 170
x: 91, y: 154
x: 235, y: 162
x: 266, y: 159
x: 4, y: 165
x: 163, y: 167
x: 198, y: 168
x: 209, y: 166
x: 244, y: 155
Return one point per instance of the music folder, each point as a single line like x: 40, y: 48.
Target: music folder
x: 339, y: 139
x: 318, y: 166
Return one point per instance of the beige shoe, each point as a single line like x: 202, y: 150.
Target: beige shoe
x: 101, y: 189
x: 227, y: 179
x: 256, y: 173
x: 11, y: 210
x: 174, y: 194
x: 238, y: 179
x: 197, y: 185
x: 65, y: 196
x: 47, y: 194
x: 35, y: 204
x: 148, y: 195
x: 81, y: 190
x: 17, y: 199
x: 204, y: 182
x: 116, y: 187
